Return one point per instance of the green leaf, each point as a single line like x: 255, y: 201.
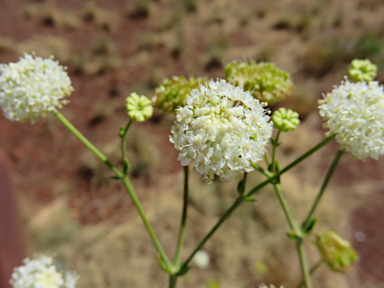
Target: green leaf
x: 116, y: 177
x: 183, y: 270
x: 249, y: 199
x: 308, y: 226
x: 126, y: 166
x: 163, y: 264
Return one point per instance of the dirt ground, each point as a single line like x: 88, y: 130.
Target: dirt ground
x: 70, y: 205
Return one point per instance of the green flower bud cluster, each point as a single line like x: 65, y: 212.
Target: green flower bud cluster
x: 139, y: 108
x: 362, y: 70
x: 265, y: 81
x: 336, y: 252
x: 172, y: 93
x: 285, y: 119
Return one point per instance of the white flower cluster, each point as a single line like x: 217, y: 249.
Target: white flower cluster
x: 32, y: 87
x: 355, y: 113
x: 42, y: 272
x: 223, y: 128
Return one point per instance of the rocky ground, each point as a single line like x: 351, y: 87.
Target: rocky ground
x: 112, y: 48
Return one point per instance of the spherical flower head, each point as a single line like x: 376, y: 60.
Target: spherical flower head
x: 32, y: 87
x: 172, y: 93
x: 285, y: 119
x: 362, y: 70
x: 223, y: 128
x: 336, y: 252
x: 265, y: 81
x: 42, y: 272
x: 354, y: 113
x: 139, y: 108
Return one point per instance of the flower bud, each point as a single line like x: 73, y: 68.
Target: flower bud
x: 285, y: 119
x: 172, y: 93
x: 201, y: 259
x: 265, y: 81
x: 336, y: 252
x: 362, y: 70
x: 139, y: 108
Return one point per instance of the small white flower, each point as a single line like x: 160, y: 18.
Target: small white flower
x: 223, y: 128
x: 42, y: 272
x: 32, y: 87
x: 355, y: 113
x: 201, y: 259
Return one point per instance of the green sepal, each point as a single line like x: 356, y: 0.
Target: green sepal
x: 308, y: 226
x: 163, y: 264
x: 183, y: 270
x: 249, y: 199
x: 293, y: 235
x: 275, y: 143
x: 126, y: 166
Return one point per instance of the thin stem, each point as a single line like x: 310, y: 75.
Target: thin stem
x: 224, y: 217
x: 241, y: 199
x: 287, y: 209
x: 262, y: 171
x: 298, y: 233
x: 86, y: 142
x: 122, y: 135
x: 275, y: 143
x: 172, y: 281
x: 124, y: 179
x: 291, y: 165
x: 311, y: 271
x: 303, y: 263
x: 266, y: 158
x: 127, y: 184
x: 183, y: 220
x: 328, y: 176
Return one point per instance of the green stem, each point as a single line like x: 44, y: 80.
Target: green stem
x: 88, y: 144
x: 328, y: 176
x: 124, y: 179
x: 275, y: 143
x: 303, y: 263
x: 183, y: 220
x: 287, y: 210
x: 123, y: 134
x: 241, y: 198
x: 224, y: 217
x: 172, y: 281
x: 127, y: 184
x: 291, y: 165
x: 311, y: 271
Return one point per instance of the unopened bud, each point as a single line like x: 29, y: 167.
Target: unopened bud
x: 265, y: 81
x: 172, y: 93
x: 336, y: 252
x: 285, y: 119
x: 139, y: 108
x: 362, y: 70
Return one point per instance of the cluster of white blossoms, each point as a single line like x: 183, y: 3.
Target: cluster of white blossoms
x: 223, y: 128
x: 32, y: 88
x: 355, y: 113
x: 42, y: 272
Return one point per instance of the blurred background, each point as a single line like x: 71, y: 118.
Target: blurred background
x: 69, y: 205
